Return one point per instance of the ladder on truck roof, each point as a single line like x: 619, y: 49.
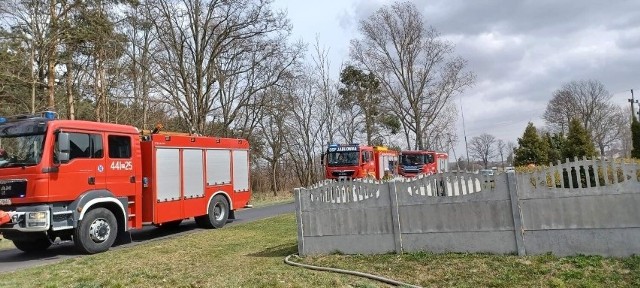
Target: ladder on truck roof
x: 159, y: 129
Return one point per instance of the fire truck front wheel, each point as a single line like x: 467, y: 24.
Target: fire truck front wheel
x: 217, y: 214
x: 96, y: 232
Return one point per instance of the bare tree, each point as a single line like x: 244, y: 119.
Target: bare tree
x: 349, y: 123
x: 328, y: 90
x: 441, y: 134
x: 482, y: 147
x: 608, y: 126
x: 413, y: 65
x: 274, y: 131
x: 28, y: 21
x: 218, y: 57
x: 560, y: 110
x: 307, y: 124
x: 590, y: 97
x: 138, y: 28
x: 590, y: 102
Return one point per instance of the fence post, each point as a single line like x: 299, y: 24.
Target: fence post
x: 516, y: 213
x: 395, y: 216
x: 298, y: 198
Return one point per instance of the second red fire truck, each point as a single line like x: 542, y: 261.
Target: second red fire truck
x: 424, y: 162
x: 354, y: 161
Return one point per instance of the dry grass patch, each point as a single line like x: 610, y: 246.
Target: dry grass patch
x: 5, y: 244
x: 261, y: 199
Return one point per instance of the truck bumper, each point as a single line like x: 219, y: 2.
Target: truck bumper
x: 26, y: 219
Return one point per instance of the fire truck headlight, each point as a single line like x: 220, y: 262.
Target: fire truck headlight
x: 42, y: 215
x: 37, y: 219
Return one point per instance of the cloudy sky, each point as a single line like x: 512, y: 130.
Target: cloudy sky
x: 520, y: 51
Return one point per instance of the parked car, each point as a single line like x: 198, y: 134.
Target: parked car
x: 486, y: 172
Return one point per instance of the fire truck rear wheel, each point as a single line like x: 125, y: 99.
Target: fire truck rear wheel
x: 217, y: 215
x: 39, y: 244
x: 96, y: 232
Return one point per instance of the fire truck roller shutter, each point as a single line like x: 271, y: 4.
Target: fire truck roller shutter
x: 240, y: 170
x: 193, y: 171
x: 167, y: 174
x: 218, y: 167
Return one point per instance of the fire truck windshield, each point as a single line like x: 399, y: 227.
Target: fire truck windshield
x: 416, y: 159
x: 349, y: 158
x: 21, y: 143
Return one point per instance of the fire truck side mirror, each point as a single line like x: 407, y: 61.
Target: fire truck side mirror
x: 322, y: 158
x: 63, y: 148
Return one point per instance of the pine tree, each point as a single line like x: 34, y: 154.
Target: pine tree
x: 579, y: 143
x: 555, y: 146
x: 362, y: 89
x: 635, y: 136
x: 531, y: 148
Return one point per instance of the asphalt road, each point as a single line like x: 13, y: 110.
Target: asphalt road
x: 14, y: 259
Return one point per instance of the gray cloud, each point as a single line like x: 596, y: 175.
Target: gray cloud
x: 522, y: 51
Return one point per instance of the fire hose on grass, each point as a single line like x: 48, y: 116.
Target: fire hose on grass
x: 354, y: 273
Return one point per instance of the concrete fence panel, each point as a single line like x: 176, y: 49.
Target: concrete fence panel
x: 476, y: 220
x: 348, y: 217
x: 591, y: 207
x: 580, y: 207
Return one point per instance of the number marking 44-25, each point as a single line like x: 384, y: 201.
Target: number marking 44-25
x: 121, y: 165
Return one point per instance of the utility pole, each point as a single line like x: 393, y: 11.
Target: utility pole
x: 632, y: 100
x: 464, y: 130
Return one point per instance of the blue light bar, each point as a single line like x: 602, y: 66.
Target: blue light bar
x: 2, y: 119
x: 49, y: 114
x: 333, y: 145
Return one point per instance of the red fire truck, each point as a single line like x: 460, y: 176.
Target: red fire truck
x: 353, y: 161
x: 92, y: 182
x: 426, y: 162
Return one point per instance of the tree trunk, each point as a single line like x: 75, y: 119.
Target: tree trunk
x: 368, y: 126
x: 33, y: 80
x: 274, y: 178
x: 71, y: 114
x: 51, y: 61
x: 103, y: 94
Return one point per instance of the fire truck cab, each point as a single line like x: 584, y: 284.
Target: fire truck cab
x: 92, y: 182
x: 353, y: 161
x: 425, y: 162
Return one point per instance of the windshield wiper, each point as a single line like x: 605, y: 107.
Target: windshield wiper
x: 16, y: 164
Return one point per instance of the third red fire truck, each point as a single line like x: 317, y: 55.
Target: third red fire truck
x: 353, y: 161
x: 92, y: 182
x: 424, y: 162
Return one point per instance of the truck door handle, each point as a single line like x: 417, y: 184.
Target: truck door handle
x: 92, y: 180
x: 132, y: 179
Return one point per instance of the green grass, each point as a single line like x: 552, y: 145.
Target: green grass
x: 5, y: 244
x: 251, y: 255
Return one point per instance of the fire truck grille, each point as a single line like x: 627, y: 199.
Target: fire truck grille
x: 13, y: 188
x: 342, y: 173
